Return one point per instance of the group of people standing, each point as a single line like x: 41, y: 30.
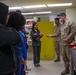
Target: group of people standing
x: 13, y: 42
x: 64, y: 35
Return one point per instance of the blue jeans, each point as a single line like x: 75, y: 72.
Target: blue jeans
x: 22, y: 69
x: 18, y: 71
x: 36, y: 54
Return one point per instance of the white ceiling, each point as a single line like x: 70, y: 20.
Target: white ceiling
x: 55, y: 10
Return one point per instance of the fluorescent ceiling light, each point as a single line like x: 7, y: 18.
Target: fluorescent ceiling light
x: 32, y: 13
x: 28, y: 13
x: 47, y: 12
x: 61, y: 4
x: 34, y: 6
x: 14, y: 8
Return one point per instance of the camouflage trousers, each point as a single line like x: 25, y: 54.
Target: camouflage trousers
x: 65, y: 54
x: 57, y: 48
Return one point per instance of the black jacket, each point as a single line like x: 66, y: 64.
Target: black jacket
x: 8, y: 38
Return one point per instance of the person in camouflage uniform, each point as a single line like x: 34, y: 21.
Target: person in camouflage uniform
x: 68, y: 31
x: 57, y: 36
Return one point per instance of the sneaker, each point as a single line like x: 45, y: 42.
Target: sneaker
x: 36, y: 65
x: 28, y: 69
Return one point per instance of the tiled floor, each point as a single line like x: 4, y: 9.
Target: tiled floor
x: 47, y: 68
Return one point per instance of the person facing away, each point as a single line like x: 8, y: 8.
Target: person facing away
x: 68, y: 31
x: 24, y: 32
x: 57, y: 36
x: 17, y: 21
x: 36, y: 44
x: 8, y: 38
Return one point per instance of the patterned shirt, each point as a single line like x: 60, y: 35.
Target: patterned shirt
x: 68, y: 30
x: 57, y: 33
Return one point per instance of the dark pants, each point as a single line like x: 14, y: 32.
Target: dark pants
x: 22, y: 69
x: 36, y: 54
x: 18, y: 71
x: 8, y: 74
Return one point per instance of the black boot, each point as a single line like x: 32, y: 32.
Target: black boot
x: 66, y: 71
x: 57, y: 59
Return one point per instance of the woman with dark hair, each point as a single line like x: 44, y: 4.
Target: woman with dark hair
x: 36, y: 44
x: 17, y: 21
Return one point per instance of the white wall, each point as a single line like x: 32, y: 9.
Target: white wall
x: 42, y: 17
x: 71, y: 14
x: 52, y: 17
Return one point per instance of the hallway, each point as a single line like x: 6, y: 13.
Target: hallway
x: 47, y: 68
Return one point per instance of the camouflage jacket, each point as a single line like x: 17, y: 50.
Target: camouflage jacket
x: 68, y: 30
x: 57, y: 33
